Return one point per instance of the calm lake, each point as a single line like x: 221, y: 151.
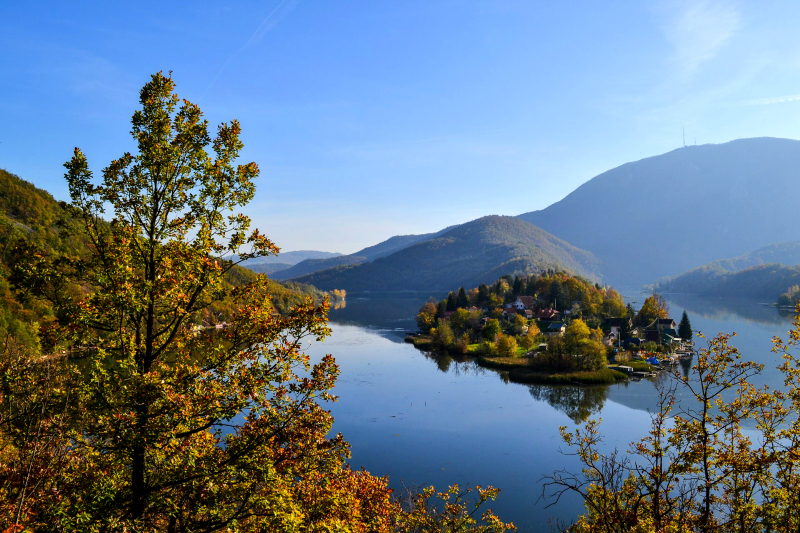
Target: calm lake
x: 426, y: 420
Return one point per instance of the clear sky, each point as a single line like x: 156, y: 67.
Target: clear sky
x: 375, y: 118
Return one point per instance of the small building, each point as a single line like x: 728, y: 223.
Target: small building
x: 548, y: 314
x: 524, y: 302
x: 556, y: 328
x: 632, y: 342
x: 663, y: 323
x: 652, y: 335
x: 615, y: 324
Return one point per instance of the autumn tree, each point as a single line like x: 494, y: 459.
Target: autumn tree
x: 426, y: 318
x: 654, y: 306
x: 506, y: 345
x: 491, y: 330
x: 172, y: 427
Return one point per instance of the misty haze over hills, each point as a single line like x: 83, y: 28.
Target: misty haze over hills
x: 387, y: 247
x: 642, y: 221
x: 663, y: 215
x: 764, y: 273
x: 466, y: 255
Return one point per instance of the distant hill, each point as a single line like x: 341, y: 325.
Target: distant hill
x: 267, y: 268
x: 667, y: 214
x: 465, y: 255
x: 785, y: 253
x: 310, y: 266
x: 387, y: 247
x: 287, y: 258
x: 765, y: 273
x: 766, y: 281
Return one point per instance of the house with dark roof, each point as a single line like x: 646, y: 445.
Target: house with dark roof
x: 556, y: 328
x: 524, y: 302
x: 614, y: 324
x: 662, y: 323
x: 548, y: 314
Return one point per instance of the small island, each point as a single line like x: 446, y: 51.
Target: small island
x: 554, y: 328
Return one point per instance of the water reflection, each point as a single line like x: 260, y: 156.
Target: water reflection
x: 392, y: 315
x: 578, y: 403
x: 730, y: 309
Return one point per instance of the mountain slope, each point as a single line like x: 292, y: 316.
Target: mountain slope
x: 286, y: 258
x: 765, y: 273
x: 766, y: 281
x: 666, y: 214
x: 310, y: 266
x: 370, y: 253
x: 466, y: 255
x: 29, y: 223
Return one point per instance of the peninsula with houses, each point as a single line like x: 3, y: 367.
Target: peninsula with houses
x: 554, y: 328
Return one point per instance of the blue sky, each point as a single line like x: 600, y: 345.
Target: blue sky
x: 371, y: 119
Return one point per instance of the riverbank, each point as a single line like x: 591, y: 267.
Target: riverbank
x: 519, y: 369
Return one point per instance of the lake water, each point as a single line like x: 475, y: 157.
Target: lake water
x: 426, y: 420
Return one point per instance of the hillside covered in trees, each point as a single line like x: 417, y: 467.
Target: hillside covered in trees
x: 766, y: 273
x: 469, y: 254
x: 32, y: 222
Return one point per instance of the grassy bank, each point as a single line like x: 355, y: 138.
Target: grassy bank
x: 603, y: 376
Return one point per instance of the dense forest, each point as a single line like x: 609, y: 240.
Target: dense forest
x: 33, y: 223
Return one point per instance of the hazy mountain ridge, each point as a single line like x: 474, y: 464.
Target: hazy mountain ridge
x: 766, y: 281
x: 666, y: 214
x: 310, y: 266
x: 370, y: 253
x: 288, y: 258
x: 785, y: 253
x: 469, y: 254
x: 764, y: 273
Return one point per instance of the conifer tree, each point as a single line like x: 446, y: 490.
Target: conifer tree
x: 685, y: 327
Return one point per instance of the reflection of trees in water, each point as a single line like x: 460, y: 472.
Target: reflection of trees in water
x: 718, y: 308
x: 578, y: 403
x: 458, y: 365
x: 686, y: 366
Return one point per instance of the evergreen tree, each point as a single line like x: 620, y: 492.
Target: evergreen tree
x: 451, y: 302
x: 685, y: 327
x: 519, y: 286
x: 559, y: 296
x: 483, y: 295
x: 462, y: 301
x: 530, y: 287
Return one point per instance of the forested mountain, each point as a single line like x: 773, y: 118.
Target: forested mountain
x: 764, y: 273
x: 30, y: 222
x: 310, y: 266
x: 785, y: 253
x: 469, y: 254
x: 766, y: 281
x: 370, y: 253
x: 666, y: 214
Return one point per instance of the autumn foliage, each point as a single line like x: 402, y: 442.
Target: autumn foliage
x: 142, y: 416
